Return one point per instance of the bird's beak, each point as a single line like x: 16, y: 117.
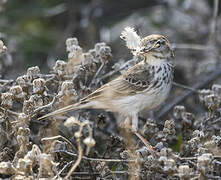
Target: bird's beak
x: 145, y: 50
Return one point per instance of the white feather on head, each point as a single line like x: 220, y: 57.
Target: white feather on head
x: 132, y: 39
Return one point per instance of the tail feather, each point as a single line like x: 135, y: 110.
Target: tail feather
x: 72, y: 107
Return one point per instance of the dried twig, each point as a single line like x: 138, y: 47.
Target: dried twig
x: 80, y: 154
x: 185, y: 87
x: 96, y: 159
x: 198, y: 47
x: 57, y: 137
x: 97, y: 74
x: 9, y: 111
x: 115, y: 71
x: 35, y: 112
x: 6, y: 81
x: 87, y: 173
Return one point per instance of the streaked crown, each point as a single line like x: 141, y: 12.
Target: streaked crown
x: 157, y: 46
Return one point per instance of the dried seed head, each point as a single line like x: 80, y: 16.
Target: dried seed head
x: 7, y: 100
x: 3, y: 48
x: 203, y: 93
x: 169, y: 124
x: 169, y: 127
x: 88, y: 59
x: 36, y: 100
x: 105, y: 52
x: 212, y: 102
x: 204, y: 163
x: 100, y: 166
x: 159, y: 146
x: 70, y: 42
x: 166, y: 152
x: 217, y: 89
x: 78, y: 134
x: 67, y: 89
x: 60, y: 67
x: 92, y: 52
x: 193, y: 144
x: 178, y: 110
x: 143, y: 152
x: 23, y: 81
x: 184, y: 172
x: 24, y: 165
x: 17, y: 92
x: 28, y: 107
x: 2, y: 118
x: 202, y: 150
x: 89, y: 141
x: 187, y: 118
x: 217, y: 140
x: 73, y: 48
x: 199, y: 134
x: 98, y: 46
x: 7, y: 168
x: 76, y: 51
x: 47, y: 165
x: 125, y: 154
x: 150, y: 128
x: 210, y: 145
x: 169, y: 166
x: 102, y: 51
x: 24, y: 119
x: 32, y: 72
x: 23, y: 140
x: 38, y: 85
x: 70, y: 122
x: 23, y: 131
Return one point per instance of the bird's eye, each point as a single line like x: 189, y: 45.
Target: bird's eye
x: 163, y: 42
x: 158, y: 44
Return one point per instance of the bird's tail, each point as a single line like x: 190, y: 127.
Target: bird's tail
x: 72, y: 107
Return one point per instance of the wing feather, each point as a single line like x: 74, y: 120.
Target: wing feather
x: 136, y: 80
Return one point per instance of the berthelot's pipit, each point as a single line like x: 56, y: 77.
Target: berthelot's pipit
x: 143, y: 87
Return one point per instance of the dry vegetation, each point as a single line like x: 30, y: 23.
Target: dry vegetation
x: 88, y: 144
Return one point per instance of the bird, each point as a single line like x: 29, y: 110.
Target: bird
x: 144, y: 86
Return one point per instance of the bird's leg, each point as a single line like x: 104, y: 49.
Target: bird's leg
x: 135, y: 131
x: 125, y: 123
x: 147, y: 144
x: 134, y: 122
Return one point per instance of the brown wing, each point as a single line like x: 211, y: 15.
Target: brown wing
x: 134, y: 81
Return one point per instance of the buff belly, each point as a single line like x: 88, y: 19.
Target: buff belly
x: 139, y: 102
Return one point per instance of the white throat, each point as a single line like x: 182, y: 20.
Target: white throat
x: 150, y: 59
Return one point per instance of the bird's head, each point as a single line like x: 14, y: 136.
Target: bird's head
x: 156, y: 46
